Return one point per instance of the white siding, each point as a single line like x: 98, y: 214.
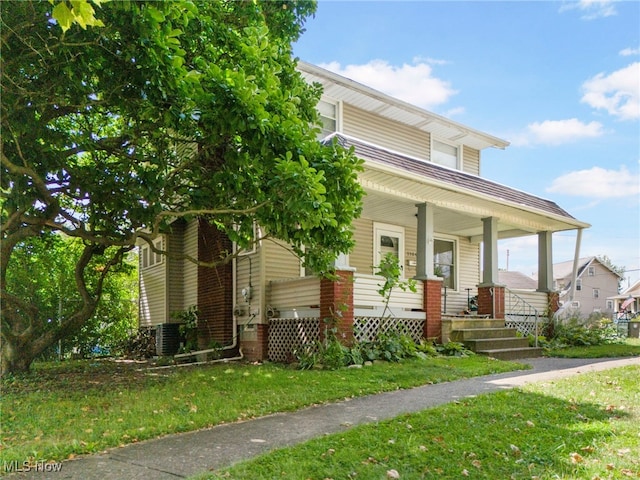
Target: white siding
x: 385, y: 133
x: 362, y: 255
x: 153, y: 307
x: 471, y: 160
x: 288, y: 294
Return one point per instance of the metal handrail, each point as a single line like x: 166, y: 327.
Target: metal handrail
x: 515, y: 305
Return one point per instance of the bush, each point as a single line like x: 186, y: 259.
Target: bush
x: 575, y: 333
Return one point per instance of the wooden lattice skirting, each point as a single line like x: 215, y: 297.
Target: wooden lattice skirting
x: 286, y: 335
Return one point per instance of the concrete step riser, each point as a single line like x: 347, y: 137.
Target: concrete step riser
x: 463, y: 324
x: 471, y: 334
x: 496, y: 343
x: 513, y: 354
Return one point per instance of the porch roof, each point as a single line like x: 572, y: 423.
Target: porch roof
x: 520, y: 213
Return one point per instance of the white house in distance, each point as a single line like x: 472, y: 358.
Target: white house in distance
x: 627, y: 301
x: 596, y: 284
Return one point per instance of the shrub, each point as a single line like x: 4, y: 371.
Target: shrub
x: 575, y: 333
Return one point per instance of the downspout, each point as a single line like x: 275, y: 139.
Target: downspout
x: 576, y: 257
x: 234, y: 327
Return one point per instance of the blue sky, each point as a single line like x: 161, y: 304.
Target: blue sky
x: 559, y: 80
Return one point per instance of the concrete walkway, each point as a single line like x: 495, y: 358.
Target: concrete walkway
x: 183, y: 455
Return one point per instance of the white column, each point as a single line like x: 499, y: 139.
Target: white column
x: 545, y: 262
x: 490, y: 251
x: 424, y: 254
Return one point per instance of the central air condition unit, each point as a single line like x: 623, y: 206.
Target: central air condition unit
x: 167, y: 339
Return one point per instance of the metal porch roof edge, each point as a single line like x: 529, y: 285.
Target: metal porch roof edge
x: 457, y: 180
x: 485, y: 139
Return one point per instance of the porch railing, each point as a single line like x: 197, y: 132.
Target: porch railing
x: 521, y: 315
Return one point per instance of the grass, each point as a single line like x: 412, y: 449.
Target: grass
x: 61, y: 410
x: 584, y: 427
x: 630, y: 348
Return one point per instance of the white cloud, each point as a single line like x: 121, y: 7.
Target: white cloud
x: 412, y: 83
x: 618, y: 93
x: 628, y: 52
x: 599, y: 183
x: 556, y: 132
x: 591, y: 9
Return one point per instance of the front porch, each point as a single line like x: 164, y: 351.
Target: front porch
x: 296, y: 307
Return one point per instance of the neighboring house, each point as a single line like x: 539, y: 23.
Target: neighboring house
x: 627, y: 302
x: 425, y: 202
x: 595, y: 284
x: 516, y: 280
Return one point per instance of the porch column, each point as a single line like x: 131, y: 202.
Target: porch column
x: 491, y: 295
x: 432, y: 285
x: 490, y: 250
x: 336, y: 305
x: 432, y: 305
x: 424, y: 253
x: 545, y: 262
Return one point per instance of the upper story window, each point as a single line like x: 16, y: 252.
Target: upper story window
x: 330, y: 116
x: 591, y: 271
x: 579, y: 284
x: 149, y: 258
x: 445, y: 154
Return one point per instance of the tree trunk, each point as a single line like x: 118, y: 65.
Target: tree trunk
x: 15, y: 358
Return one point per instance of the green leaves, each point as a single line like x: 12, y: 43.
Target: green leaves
x: 68, y: 12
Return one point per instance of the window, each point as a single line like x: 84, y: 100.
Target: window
x: 329, y: 116
x: 591, y: 271
x: 609, y: 304
x: 149, y: 258
x: 444, y: 154
x: 254, y: 239
x: 596, y: 293
x: 579, y: 284
x: 388, y: 239
x: 444, y: 261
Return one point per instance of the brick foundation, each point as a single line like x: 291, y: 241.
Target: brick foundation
x: 432, y: 304
x: 336, y: 305
x: 491, y: 301
x: 254, y: 343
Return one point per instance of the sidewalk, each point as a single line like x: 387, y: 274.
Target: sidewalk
x: 183, y: 455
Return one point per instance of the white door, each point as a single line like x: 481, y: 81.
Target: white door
x: 388, y: 239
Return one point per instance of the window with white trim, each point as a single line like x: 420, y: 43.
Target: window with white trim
x: 444, y: 262
x: 609, y: 304
x: 596, y: 293
x: 579, y: 284
x: 149, y: 258
x: 591, y: 271
x: 329, y: 116
x: 445, y: 154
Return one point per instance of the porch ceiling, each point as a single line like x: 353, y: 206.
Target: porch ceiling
x: 393, y: 200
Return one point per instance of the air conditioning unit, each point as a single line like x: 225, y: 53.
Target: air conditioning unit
x: 167, y: 339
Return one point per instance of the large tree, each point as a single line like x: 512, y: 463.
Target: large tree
x: 158, y: 111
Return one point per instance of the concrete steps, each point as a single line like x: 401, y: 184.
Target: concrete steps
x: 487, y: 336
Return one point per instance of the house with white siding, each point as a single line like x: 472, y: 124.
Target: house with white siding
x: 426, y: 202
x: 595, y: 284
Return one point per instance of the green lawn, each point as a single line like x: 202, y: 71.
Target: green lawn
x: 62, y: 410
x: 584, y: 427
